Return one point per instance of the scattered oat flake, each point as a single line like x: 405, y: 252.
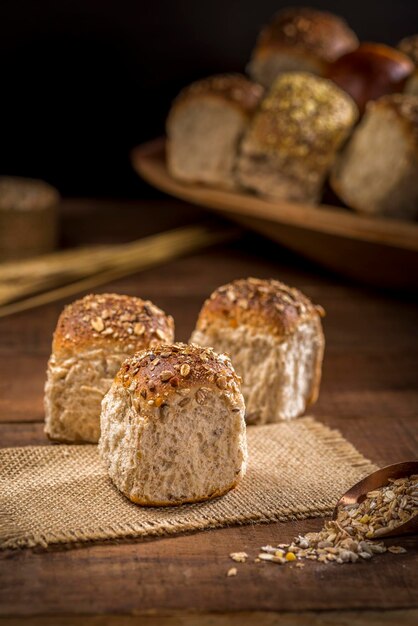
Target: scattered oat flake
x: 98, y: 324
x: 239, y: 557
x: 232, y: 571
x: 353, y: 536
x: 396, y: 549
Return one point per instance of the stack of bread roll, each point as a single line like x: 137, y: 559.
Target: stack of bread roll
x: 318, y: 107
x: 170, y: 418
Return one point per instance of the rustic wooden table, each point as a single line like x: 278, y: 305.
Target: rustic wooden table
x: 369, y: 392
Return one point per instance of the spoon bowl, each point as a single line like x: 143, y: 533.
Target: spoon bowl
x: 358, y: 492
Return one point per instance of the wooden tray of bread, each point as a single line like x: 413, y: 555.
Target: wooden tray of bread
x: 374, y: 250
x: 319, y: 115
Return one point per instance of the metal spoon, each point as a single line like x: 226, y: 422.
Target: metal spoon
x: 358, y: 492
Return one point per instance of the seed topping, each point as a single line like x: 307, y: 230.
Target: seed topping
x: 98, y: 324
x: 185, y: 370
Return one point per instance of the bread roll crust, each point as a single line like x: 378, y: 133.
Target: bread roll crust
x: 267, y: 305
x: 111, y: 321
x: 308, y: 31
x: 214, y: 494
x: 303, y: 112
x: 235, y: 89
x: 153, y: 376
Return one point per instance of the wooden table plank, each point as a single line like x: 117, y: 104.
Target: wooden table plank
x: 369, y: 392
x: 400, y: 617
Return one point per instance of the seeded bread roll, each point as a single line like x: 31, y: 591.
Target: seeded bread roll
x: 299, y: 39
x: 93, y: 337
x: 205, y: 125
x: 172, y: 426
x: 293, y: 139
x: 274, y: 337
x: 377, y: 173
x: 409, y: 46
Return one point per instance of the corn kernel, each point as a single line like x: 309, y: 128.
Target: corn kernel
x: 290, y: 556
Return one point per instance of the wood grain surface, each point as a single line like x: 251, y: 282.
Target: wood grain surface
x: 369, y: 392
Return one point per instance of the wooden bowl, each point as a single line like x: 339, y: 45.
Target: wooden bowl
x: 378, y: 251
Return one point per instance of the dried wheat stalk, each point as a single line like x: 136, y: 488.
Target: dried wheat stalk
x: 34, y: 282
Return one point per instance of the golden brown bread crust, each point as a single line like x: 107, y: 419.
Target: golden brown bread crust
x: 236, y: 89
x: 307, y: 31
x: 264, y: 305
x: 111, y: 321
x: 26, y: 194
x: 215, y: 494
x: 409, y: 46
x: 153, y: 375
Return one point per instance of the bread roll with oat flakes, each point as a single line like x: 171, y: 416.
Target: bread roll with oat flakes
x: 172, y: 426
x: 299, y: 39
x: 205, y: 125
x: 273, y: 334
x: 294, y: 137
x: 93, y: 337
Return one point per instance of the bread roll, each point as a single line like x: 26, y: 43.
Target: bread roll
x: 274, y: 337
x: 293, y: 139
x: 409, y: 46
x: 299, y: 39
x: 377, y: 173
x: 370, y: 72
x: 93, y: 337
x: 205, y: 125
x: 173, y: 428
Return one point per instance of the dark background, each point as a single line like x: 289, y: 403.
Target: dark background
x: 83, y: 81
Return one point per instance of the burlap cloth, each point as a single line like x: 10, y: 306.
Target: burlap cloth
x: 61, y: 494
